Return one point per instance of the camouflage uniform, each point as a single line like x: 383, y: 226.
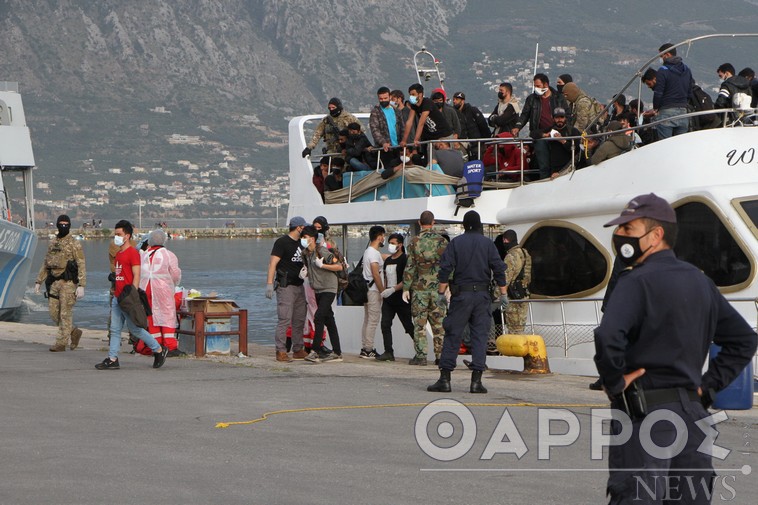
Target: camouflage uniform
x: 516, y: 259
x: 420, y: 278
x: 62, y: 296
x: 326, y: 130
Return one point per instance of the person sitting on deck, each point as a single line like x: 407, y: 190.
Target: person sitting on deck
x: 616, y: 143
x: 320, y: 174
x: 449, y: 160
x: 357, y: 149
x: 333, y: 181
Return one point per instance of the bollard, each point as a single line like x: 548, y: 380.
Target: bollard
x: 530, y: 347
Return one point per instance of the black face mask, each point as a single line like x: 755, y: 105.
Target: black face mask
x: 336, y: 112
x: 384, y: 104
x: 63, y: 229
x: 560, y: 88
x: 628, y: 248
x: 501, y: 95
x: 440, y: 105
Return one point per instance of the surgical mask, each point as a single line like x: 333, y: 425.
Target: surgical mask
x: 628, y: 248
x: 118, y: 240
x: 413, y: 99
x: 393, y: 103
x: 304, y: 242
x: 501, y: 95
x: 63, y: 229
x: 392, y: 248
x: 540, y: 91
x: 384, y: 104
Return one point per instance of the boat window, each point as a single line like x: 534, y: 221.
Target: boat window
x: 704, y: 241
x: 565, y: 262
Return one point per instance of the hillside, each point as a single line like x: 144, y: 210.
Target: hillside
x: 189, y: 100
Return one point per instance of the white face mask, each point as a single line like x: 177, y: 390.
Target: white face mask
x: 304, y: 242
x: 392, y: 248
x: 540, y: 91
x: 413, y: 99
x: 118, y: 240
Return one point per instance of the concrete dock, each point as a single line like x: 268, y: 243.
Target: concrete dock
x: 336, y: 432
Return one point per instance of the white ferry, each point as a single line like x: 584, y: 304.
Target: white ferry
x: 17, y: 239
x: 709, y: 176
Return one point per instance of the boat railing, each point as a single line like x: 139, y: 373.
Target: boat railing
x: 522, y: 175
x: 568, y: 322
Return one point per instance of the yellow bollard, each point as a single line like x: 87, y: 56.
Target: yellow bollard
x: 530, y: 347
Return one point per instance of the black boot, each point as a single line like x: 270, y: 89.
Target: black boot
x: 443, y: 383
x: 476, y: 382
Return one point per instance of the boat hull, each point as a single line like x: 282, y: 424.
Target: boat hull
x: 17, y: 247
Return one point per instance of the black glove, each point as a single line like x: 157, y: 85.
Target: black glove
x: 306, y: 152
x: 708, y: 397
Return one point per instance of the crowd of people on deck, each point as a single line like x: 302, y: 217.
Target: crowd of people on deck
x: 400, y: 126
x: 307, y: 272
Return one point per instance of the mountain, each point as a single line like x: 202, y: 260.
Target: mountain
x: 187, y: 102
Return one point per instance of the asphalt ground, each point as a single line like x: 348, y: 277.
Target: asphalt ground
x: 336, y: 433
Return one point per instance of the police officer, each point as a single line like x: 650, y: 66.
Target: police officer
x: 650, y: 348
x: 64, y: 273
x: 420, y: 286
x: 472, y: 259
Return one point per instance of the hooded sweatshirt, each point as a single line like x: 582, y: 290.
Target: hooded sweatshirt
x: 673, y: 84
x: 614, y: 145
x: 735, y: 85
x: 581, y: 106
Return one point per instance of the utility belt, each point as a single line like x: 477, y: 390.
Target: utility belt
x: 469, y: 288
x: 637, y: 402
x: 71, y: 274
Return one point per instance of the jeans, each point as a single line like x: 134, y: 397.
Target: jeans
x: 674, y: 127
x: 325, y: 317
x: 542, y: 153
x: 118, y: 318
x: 358, y: 165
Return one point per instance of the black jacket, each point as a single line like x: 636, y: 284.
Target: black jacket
x: 533, y: 108
x: 729, y: 88
x: 131, y: 304
x: 663, y: 316
x: 473, y: 124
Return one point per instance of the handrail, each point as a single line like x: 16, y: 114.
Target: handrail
x: 641, y: 70
x: 740, y: 114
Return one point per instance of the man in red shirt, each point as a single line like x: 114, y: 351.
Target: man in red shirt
x: 127, y: 273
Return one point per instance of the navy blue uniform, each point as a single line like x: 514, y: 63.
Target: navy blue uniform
x: 663, y: 316
x: 474, y: 259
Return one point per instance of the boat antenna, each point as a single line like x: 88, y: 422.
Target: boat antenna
x: 536, y: 55
x: 427, y: 66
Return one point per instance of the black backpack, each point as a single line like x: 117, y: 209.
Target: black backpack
x: 357, y: 287
x: 701, y: 101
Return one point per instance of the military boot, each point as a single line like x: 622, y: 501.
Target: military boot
x: 476, y: 382
x: 443, y: 383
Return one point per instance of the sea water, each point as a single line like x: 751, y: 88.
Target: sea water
x: 233, y: 269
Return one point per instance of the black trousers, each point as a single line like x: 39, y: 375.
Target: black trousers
x: 325, y: 317
x: 472, y: 309
x: 390, y: 308
x: 669, y: 474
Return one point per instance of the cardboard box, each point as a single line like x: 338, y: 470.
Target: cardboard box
x: 210, y: 305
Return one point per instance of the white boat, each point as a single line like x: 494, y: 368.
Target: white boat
x: 17, y: 239
x: 710, y: 177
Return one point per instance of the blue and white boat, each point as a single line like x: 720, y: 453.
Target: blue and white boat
x: 17, y: 238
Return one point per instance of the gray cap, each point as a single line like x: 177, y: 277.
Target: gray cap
x: 651, y: 206
x: 559, y: 111
x: 298, y: 221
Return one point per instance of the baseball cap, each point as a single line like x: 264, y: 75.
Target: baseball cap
x: 460, y: 94
x: 297, y: 221
x: 559, y: 111
x: 651, y: 206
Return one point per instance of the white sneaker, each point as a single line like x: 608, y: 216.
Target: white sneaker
x: 337, y: 358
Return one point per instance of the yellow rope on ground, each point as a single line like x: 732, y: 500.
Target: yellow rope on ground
x: 395, y: 405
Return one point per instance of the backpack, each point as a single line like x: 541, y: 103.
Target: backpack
x: 357, y: 287
x: 701, y: 101
x: 342, y: 277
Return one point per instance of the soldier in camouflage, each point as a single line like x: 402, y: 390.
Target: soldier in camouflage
x: 420, y: 287
x: 64, y: 273
x: 516, y: 259
x: 329, y: 128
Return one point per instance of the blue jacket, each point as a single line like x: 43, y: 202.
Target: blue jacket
x: 663, y: 316
x: 474, y: 259
x: 673, y: 84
